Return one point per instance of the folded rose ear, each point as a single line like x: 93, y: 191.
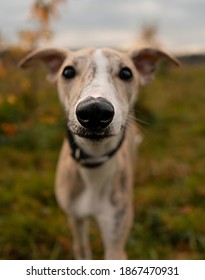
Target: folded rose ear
x: 52, y: 59
x: 146, y: 61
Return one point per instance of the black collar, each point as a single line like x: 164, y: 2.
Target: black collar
x: 85, y: 159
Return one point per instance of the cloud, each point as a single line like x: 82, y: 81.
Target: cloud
x: 87, y: 38
x: 95, y: 22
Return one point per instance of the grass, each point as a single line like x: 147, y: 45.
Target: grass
x: 169, y: 191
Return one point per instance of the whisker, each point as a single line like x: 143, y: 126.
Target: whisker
x: 140, y: 121
x: 131, y: 118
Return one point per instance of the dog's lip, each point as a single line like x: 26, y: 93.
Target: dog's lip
x: 93, y: 136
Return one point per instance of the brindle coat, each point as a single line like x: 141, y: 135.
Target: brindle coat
x: 104, y: 192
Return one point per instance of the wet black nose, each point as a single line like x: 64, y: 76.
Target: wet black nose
x: 93, y: 113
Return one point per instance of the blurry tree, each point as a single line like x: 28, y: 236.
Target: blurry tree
x: 2, y: 41
x: 148, y: 36
x: 2, y: 55
x: 42, y: 12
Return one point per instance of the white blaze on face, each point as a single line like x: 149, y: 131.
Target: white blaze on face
x: 102, y: 86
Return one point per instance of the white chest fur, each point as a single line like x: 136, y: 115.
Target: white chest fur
x: 98, y: 185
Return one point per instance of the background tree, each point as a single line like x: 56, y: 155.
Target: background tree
x: 148, y: 37
x: 42, y: 13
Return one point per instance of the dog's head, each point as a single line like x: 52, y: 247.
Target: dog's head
x: 98, y: 88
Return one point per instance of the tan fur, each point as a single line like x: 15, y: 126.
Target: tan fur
x: 104, y: 192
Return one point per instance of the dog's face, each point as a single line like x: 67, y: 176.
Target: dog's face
x: 98, y: 87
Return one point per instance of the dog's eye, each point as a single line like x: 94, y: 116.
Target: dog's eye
x: 125, y: 74
x: 69, y: 72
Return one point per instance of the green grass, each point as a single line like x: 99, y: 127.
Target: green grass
x: 169, y: 191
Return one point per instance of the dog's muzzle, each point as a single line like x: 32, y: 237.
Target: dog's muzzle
x: 95, y: 113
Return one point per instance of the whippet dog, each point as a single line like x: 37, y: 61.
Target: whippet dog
x: 98, y: 89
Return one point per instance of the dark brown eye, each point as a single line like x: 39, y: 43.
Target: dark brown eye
x: 69, y: 72
x: 125, y: 74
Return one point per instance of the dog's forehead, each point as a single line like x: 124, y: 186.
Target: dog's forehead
x: 83, y: 53
x: 114, y: 54
x: 97, y: 55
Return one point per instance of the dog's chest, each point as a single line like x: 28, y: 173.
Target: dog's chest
x: 95, y: 197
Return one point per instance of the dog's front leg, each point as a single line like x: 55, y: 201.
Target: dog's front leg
x: 81, y: 246
x: 115, y: 226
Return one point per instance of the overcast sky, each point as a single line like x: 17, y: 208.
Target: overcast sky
x: 181, y: 23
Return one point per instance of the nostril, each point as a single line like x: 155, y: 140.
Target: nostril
x: 82, y: 114
x: 106, y: 115
x: 95, y: 113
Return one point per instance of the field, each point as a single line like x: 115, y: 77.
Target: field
x: 169, y: 191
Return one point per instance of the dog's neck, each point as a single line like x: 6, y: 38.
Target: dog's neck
x: 87, y: 160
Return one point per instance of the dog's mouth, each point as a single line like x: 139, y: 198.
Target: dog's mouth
x: 94, y: 135
x: 79, y: 139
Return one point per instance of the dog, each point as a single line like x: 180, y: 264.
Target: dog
x: 98, y: 89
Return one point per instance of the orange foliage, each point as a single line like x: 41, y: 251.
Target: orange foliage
x: 42, y: 11
x: 2, y: 70
x: 28, y: 37
x: 9, y: 129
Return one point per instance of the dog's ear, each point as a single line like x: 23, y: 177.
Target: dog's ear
x: 146, y: 61
x: 52, y: 59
